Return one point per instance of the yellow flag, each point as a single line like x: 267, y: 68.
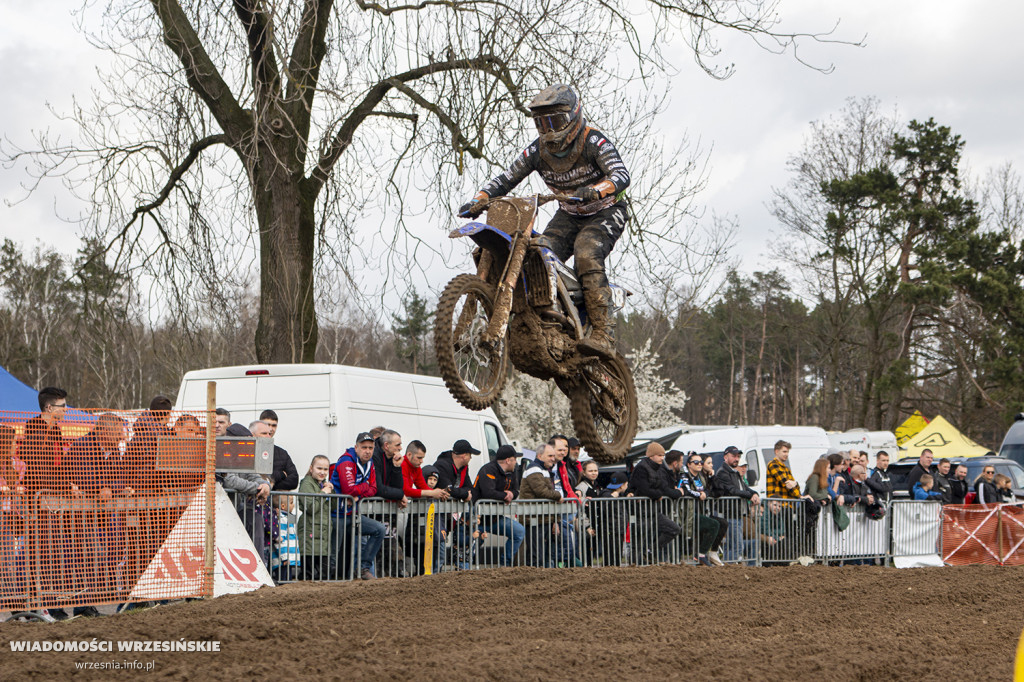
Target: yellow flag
x: 428, y: 549
x: 914, y: 425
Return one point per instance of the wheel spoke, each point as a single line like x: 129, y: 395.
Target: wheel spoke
x: 474, y: 361
x: 473, y: 371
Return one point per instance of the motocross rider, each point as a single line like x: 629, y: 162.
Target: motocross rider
x: 573, y: 158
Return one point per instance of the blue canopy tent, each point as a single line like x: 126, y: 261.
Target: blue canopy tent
x: 16, y: 396
x: 23, y: 402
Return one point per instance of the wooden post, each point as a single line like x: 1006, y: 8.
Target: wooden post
x: 999, y: 532
x: 210, y: 487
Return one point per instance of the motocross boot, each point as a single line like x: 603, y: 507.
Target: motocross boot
x: 601, y: 340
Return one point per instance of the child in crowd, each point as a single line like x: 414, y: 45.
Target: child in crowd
x: 587, y: 489
x: 1005, y: 487
x: 923, y: 489
x: 430, y: 475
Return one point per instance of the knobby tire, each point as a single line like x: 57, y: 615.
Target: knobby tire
x: 444, y: 343
x: 584, y: 415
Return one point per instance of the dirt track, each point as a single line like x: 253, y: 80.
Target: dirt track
x: 660, y: 622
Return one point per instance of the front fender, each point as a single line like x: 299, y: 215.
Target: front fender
x: 474, y: 228
x: 487, y: 236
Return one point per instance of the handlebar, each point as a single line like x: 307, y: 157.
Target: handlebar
x: 541, y: 200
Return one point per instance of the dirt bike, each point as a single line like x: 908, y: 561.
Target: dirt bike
x: 524, y: 303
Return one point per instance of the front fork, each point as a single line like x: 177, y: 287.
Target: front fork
x: 498, y: 324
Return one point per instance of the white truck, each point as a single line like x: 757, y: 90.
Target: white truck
x: 321, y: 408
x: 758, y: 446
x: 871, y: 442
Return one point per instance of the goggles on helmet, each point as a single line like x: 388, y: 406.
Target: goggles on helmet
x: 552, y: 123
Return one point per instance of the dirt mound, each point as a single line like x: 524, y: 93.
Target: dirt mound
x: 661, y: 622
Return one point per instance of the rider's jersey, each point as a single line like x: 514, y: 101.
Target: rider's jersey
x: 599, y: 164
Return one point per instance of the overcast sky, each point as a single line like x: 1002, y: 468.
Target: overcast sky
x: 958, y: 62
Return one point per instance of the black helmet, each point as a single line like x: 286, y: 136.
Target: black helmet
x: 558, y: 115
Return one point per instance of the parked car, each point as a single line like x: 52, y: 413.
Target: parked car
x: 1008, y: 467
x: 1013, y: 442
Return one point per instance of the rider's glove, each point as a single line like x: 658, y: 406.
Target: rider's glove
x: 474, y: 208
x: 587, y: 194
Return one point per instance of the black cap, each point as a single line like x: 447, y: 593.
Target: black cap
x: 462, y: 447
x: 428, y: 471
x: 364, y: 436
x: 617, y: 481
x: 574, y: 442
x: 506, y: 451
x: 733, y: 450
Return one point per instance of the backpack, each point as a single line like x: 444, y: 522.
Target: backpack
x: 840, y: 517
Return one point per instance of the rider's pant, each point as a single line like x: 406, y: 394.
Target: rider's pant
x: 589, y: 238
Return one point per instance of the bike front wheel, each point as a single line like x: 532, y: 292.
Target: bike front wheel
x: 473, y: 371
x: 603, y: 407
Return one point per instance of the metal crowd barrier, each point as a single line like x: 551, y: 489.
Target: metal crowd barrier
x: 315, y: 538
x: 916, y: 533
x: 865, y: 540
x: 617, y: 532
x: 501, y: 534
x: 303, y: 536
x: 780, y: 526
x: 426, y: 537
x: 549, y: 532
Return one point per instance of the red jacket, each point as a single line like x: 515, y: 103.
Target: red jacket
x: 352, y: 477
x: 413, y: 483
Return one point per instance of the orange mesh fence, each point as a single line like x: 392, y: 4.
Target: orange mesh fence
x: 102, y: 507
x: 983, y: 534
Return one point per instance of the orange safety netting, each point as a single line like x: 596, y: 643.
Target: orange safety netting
x: 88, y: 500
x: 983, y: 534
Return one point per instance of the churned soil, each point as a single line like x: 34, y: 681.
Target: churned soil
x: 853, y: 623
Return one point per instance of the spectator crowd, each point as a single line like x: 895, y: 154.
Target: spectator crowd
x: 360, y: 507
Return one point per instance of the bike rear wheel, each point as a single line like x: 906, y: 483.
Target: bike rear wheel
x: 604, y: 410
x: 473, y: 372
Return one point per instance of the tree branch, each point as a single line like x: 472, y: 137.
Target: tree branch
x: 459, y: 140
x: 176, y: 174
x: 265, y: 75
x: 200, y: 72
x: 307, y: 56
x: 343, y: 138
x: 453, y: 4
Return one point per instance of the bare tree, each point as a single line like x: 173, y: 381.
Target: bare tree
x: 271, y: 127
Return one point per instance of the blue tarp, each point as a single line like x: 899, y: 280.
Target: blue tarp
x: 16, y: 396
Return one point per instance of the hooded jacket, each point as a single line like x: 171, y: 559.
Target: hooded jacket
x: 492, y: 482
x: 456, y: 480
x: 651, y: 480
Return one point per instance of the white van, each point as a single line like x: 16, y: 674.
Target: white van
x: 321, y: 408
x: 871, y: 442
x: 758, y: 446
